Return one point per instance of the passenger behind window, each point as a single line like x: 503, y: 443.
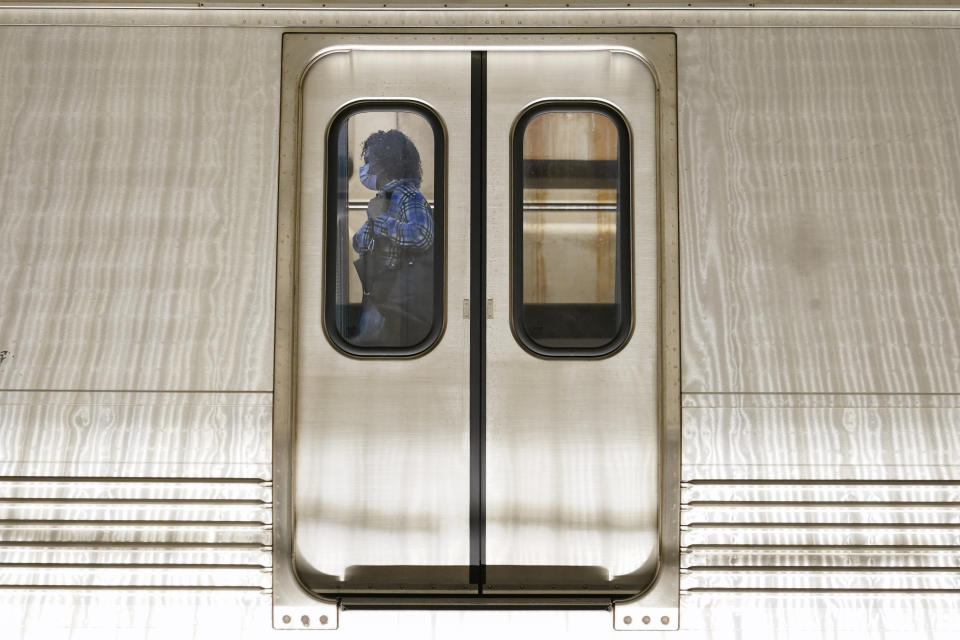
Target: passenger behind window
x: 395, y: 245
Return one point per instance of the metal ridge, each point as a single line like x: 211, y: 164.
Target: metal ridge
x: 480, y: 19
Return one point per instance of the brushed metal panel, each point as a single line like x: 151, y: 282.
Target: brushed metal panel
x: 381, y: 457
x: 117, y: 614
x: 820, y: 177
x: 179, y: 511
x: 487, y: 4
x: 823, y: 513
x: 572, y: 446
x: 820, y: 535
x: 796, y: 535
x: 489, y: 14
x: 832, y: 443
x: 139, y: 576
x: 822, y: 557
x: 134, y: 489
x: 774, y: 616
x: 135, y: 532
x: 205, y: 435
x: 133, y: 554
x: 821, y: 400
x: 822, y: 491
x: 139, y: 195
x: 833, y: 579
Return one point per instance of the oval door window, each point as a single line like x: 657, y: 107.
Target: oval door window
x: 384, y: 229
x: 571, y: 236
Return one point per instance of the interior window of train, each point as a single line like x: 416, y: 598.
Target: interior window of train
x: 384, y: 229
x: 571, y: 236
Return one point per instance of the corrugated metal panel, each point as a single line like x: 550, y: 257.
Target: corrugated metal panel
x: 129, y: 532
x: 135, y: 533
x: 841, y: 536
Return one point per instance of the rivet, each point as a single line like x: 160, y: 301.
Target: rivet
x: 627, y: 620
x: 305, y: 620
x: 286, y: 619
x: 645, y: 619
x: 325, y: 619
x: 665, y: 620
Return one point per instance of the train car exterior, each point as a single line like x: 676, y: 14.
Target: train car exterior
x: 517, y: 319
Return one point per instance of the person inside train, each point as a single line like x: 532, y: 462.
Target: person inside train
x: 395, y: 245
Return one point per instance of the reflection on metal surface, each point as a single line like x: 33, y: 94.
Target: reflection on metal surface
x: 381, y: 463
x: 572, y: 447
x: 823, y: 258
x: 138, y: 243
x: 377, y: 526
x: 839, y: 440
x: 113, y: 434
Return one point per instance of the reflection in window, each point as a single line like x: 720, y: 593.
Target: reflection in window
x: 384, y: 230
x: 571, y: 286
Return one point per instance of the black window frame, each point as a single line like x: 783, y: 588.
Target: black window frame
x: 332, y: 252
x: 623, y: 288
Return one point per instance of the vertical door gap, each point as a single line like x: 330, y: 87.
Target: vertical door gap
x: 478, y: 286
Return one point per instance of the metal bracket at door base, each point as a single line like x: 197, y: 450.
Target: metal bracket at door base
x: 629, y: 616
x: 306, y: 613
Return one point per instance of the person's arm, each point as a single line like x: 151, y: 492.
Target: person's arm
x: 415, y: 232
x: 363, y: 238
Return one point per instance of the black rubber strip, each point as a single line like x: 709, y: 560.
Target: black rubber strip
x: 478, y: 287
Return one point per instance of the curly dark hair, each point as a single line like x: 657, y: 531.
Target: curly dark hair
x: 392, y: 155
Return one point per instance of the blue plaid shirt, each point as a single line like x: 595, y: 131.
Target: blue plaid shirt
x: 406, y: 224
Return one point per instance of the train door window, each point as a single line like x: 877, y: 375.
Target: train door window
x: 571, y: 247
x: 384, y: 229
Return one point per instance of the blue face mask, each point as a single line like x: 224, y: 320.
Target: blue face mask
x: 367, y: 179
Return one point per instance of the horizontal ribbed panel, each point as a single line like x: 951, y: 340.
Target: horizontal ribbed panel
x: 829, y: 513
x: 171, y: 511
x: 820, y: 536
x: 94, y: 532
x: 137, y: 553
x: 821, y: 492
x: 831, y: 536
x: 134, y: 576
x: 888, y: 579
x: 135, y: 532
x: 124, y: 489
x: 822, y: 557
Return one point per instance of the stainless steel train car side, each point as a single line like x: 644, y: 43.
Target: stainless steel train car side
x: 756, y: 207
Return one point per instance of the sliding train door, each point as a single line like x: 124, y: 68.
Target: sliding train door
x: 475, y: 405
x: 572, y: 389
x: 381, y: 455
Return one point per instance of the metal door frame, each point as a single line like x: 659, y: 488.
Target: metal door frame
x: 655, y: 609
